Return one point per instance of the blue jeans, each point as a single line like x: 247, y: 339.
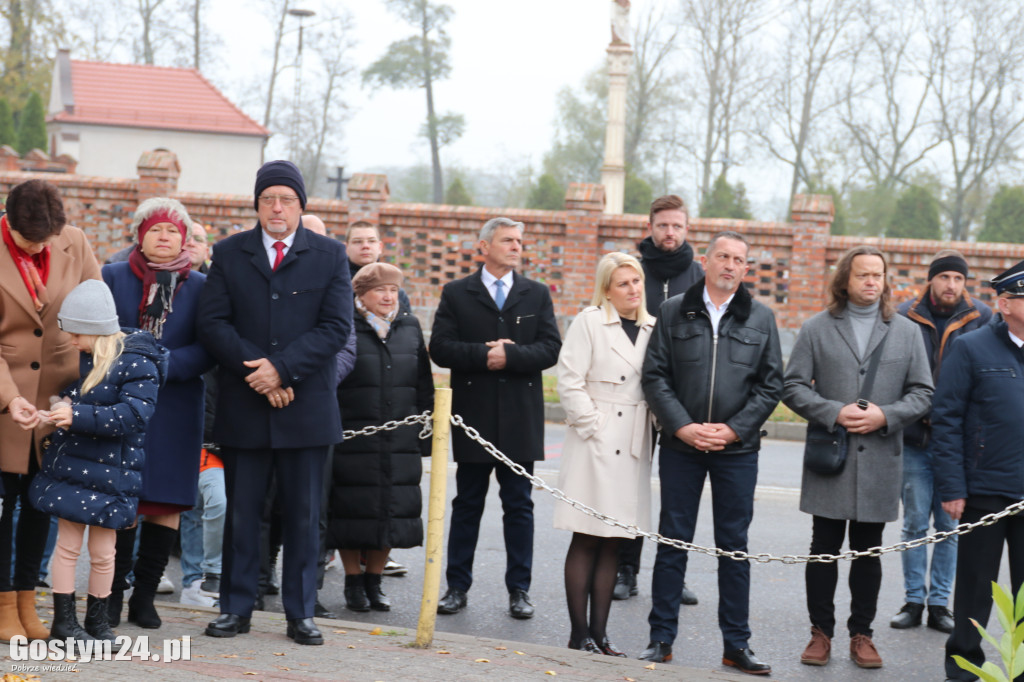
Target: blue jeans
x: 920, y: 503
x: 202, y: 529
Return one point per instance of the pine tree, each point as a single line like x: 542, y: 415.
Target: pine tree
x: 547, y: 194
x: 1004, y: 217
x: 916, y: 215
x: 32, y: 126
x: 7, y: 133
x: 724, y: 201
x: 457, y: 194
x: 637, y: 195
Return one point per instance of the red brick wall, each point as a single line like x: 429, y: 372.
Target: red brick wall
x: 433, y: 244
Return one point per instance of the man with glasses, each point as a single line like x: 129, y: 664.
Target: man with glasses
x: 979, y: 466
x: 276, y: 309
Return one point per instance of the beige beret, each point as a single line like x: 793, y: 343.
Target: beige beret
x: 375, y: 275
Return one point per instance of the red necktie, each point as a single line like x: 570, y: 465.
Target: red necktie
x: 280, y: 253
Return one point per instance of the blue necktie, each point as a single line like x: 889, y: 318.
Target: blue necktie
x: 499, y: 293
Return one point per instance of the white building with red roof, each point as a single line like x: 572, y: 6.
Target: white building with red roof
x: 106, y: 115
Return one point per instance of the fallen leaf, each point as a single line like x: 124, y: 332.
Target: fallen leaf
x: 481, y: 660
x: 250, y: 673
x: 229, y: 655
x: 351, y: 646
x: 442, y: 651
x: 520, y: 653
x: 649, y: 667
x: 279, y: 654
x: 630, y: 679
x: 281, y: 667
x: 550, y: 672
x: 376, y: 631
x: 340, y: 632
x: 501, y: 648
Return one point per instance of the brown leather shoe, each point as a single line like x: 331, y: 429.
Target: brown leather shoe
x: 864, y: 653
x: 818, y: 650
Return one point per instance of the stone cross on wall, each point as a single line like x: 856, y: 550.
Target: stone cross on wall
x: 620, y: 22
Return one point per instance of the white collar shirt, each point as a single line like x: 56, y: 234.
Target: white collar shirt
x: 1017, y: 342
x: 489, y: 280
x: 715, y: 312
x: 268, y: 244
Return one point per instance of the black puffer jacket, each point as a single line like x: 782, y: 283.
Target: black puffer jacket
x: 686, y: 380
x: 375, y: 497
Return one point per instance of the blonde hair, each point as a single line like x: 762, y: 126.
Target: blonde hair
x: 105, y: 349
x: 608, y: 264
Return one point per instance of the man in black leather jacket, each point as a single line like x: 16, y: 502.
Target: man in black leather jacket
x: 712, y: 376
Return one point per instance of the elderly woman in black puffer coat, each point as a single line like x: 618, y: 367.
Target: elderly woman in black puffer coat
x: 375, y: 501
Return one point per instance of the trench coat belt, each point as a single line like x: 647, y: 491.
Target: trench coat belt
x: 641, y: 419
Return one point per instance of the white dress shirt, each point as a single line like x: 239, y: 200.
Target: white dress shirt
x: 715, y: 312
x: 490, y: 279
x: 268, y: 244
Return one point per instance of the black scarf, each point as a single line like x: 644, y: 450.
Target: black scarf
x: 664, y: 265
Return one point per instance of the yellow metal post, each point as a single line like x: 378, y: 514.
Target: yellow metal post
x: 435, y: 517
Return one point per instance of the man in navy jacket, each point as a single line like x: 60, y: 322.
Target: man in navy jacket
x: 979, y: 466
x: 276, y: 309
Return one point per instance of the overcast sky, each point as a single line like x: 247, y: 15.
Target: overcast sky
x: 509, y: 60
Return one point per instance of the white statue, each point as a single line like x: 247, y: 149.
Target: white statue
x: 620, y: 22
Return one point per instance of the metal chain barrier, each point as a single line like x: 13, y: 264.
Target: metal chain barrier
x: 428, y: 427
x: 737, y: 555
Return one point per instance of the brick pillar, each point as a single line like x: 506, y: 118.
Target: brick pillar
x: 584, y: 205
x: 158, y: 174
x: 808, y: 277
x: 366, y: 193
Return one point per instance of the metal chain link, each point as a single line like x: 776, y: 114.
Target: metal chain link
x: 737, y: 555
x: 428, y: 426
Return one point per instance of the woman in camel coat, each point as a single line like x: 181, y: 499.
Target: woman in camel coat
x: 41, y: 261
x: 606, y: 458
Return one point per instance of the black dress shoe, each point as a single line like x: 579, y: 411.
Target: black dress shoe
x: 304, y: 631
x: 657, y: 652
x: 625, y: 583
x: 908, y: 617
x: 586, y: 644
x: 688, y: 596
x: 228, y: 625
x: 453, y: 601
x: 939, y: 618
x: 609, y: 649
x: 519, y: 605
x: 746, y: 662
x: 320, y: 611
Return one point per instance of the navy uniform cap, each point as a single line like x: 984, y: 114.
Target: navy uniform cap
x: 1011, y: 281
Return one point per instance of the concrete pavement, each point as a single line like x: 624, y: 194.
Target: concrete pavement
x: 352, y: 651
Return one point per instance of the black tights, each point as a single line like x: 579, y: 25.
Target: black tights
x: 590, y: 569
x: 30, y: 535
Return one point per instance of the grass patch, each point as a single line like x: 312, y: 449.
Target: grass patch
x: 784, y: 414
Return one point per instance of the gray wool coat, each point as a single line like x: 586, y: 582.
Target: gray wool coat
x: 825, y: 372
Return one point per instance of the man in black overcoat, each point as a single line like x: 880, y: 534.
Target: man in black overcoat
x: 276, y: 309
x: 496, y: 331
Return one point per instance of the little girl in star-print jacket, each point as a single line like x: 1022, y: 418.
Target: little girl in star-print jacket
x: 91, y: 473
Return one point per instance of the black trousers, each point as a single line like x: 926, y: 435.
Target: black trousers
x: 30, y: 535
x: 865, y: 575
x: 299, y: 473
x: 978, y: 556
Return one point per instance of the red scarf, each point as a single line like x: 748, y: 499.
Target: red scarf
x: 34, y: 268
x: 160, y: 281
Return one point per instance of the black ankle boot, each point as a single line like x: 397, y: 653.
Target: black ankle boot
x: 378, y: 600
x: 124, y: 557
x: 65, y: 619
x: 155, y: 545
x: 96, y: 622
x: 355, y: 593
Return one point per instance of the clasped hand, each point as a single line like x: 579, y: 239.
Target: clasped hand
x: 266, y: 381
x: 856, y: 420
x: 496, y: 358
x: 707, y: 437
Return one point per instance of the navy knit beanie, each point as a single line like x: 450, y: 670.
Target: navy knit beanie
x: 279, y: 173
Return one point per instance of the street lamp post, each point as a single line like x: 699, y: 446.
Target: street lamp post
x: 301, y: 14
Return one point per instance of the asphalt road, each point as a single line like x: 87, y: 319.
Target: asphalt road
x: 778, y: 615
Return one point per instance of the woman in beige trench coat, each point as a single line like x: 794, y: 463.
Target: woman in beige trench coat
x: 606, y: 459
x: 41, y: 261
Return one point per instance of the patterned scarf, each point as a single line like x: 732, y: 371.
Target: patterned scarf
x: 381, y: 325
x: 160, y: 281
x: 34, y: 269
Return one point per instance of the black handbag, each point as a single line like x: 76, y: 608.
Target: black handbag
x: 824, y: 450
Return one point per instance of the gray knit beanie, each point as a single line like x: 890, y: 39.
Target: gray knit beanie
x: 89, y: 309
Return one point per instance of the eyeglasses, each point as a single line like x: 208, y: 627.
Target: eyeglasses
x: 285, y: 199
